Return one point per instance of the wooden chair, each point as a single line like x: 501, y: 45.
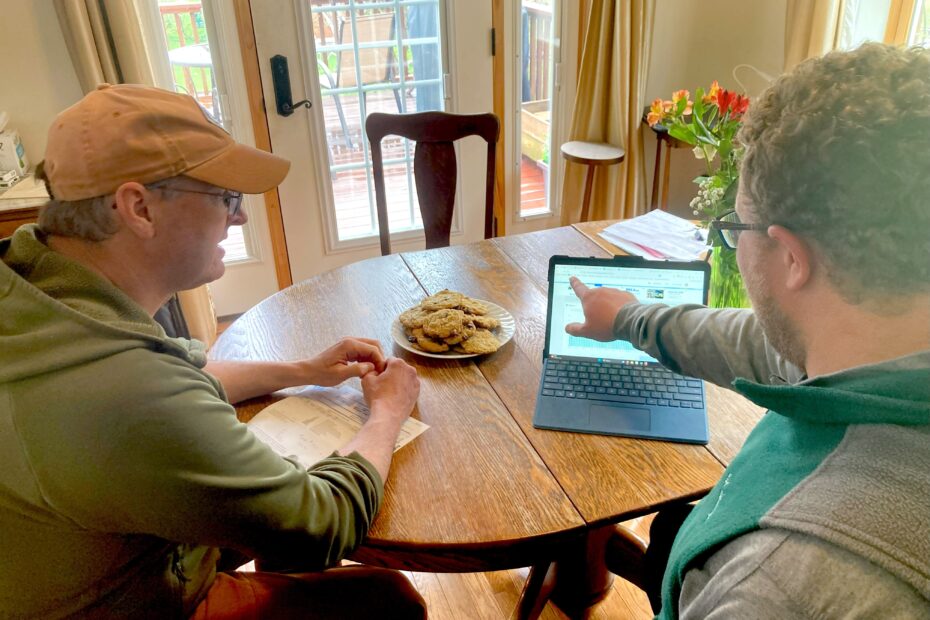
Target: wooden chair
x: 434, y: 167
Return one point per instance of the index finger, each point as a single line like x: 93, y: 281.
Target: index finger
x: 578, y: 286
x: 371, y: 341
x: 362, y: 350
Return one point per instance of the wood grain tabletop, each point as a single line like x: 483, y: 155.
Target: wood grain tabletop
x: 482, y: 489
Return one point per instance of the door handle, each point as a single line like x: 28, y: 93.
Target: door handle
x: 281, y: 78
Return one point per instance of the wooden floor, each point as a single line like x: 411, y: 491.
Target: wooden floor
x: 494, y: 596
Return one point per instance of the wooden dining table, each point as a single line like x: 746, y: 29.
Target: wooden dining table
x: 482, y: 489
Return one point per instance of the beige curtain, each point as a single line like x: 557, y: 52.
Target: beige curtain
x: 609, y: 108
x: 812, y: 28
x: 104, y: 38
x: 105, y: 41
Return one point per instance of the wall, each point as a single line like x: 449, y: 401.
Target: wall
x: 695, y: 43
x: 38, y: 78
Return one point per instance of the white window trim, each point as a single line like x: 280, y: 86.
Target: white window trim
x: 565, y: 49
x: 317, y: 130
x: 229, y: 73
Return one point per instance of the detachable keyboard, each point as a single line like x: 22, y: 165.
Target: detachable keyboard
x: 621, y: 382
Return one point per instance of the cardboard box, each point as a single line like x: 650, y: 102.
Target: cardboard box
x: 12, y: 153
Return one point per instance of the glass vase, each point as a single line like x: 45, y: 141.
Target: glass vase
x: 726, y: 283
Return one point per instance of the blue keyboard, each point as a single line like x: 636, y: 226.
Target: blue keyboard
x: 624, y: 383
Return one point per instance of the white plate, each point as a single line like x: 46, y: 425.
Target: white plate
x: 502, y: 333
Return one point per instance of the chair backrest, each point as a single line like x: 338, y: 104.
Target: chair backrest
x: 375, y: 64
x: 434, y: 166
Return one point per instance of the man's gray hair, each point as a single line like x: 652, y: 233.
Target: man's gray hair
x: 838, y: 151
x: 90, y: 219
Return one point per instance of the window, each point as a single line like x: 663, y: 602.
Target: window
x: 920, y: 27
x: 897, y: 22
x: 536, y: 91
x: 180, y: 35
x: 375, y: 56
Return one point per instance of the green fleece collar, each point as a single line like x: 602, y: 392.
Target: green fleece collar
x: 49, y: 299
x: 892, y: 392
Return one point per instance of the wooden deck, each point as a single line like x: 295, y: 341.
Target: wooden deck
x: 351, y: 187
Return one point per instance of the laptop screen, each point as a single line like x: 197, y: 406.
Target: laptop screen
x: 649, y: 284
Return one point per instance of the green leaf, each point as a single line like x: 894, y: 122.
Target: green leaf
x: 683, y: 133
x: 729, y: 195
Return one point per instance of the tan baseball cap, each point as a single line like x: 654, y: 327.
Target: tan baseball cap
x: 127, y: 132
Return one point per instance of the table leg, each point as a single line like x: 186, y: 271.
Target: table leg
x: 588, y: 184
x: 654, y: 200
x: 668, y: 163
x: 581, y: 576
x: 536, y: 592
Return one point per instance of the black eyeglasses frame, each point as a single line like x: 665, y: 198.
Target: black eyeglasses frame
x: 231, y: 200
x: 720, y: 224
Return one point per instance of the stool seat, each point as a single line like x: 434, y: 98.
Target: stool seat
x: 591, y: 154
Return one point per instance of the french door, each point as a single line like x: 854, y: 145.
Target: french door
x: 350, y: 58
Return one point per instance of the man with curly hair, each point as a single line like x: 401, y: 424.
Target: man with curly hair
x: 825, y: 512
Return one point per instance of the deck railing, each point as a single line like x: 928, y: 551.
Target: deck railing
x: 181, y: 14
x: 538, y: 49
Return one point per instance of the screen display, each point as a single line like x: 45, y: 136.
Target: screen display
x: 650, y: 286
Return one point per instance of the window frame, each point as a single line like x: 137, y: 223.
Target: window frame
x: 325, y: 195
x: 230, y: 87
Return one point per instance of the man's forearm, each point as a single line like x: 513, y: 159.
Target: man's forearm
x: 244, y: 379
x: 714, y: 345
x: 375, y: 441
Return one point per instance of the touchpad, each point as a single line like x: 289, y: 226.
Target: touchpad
x: 633, y: 419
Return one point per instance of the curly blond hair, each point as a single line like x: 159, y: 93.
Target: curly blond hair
x: 838, y: 151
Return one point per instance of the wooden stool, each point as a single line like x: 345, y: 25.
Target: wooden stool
x: 592, y: 154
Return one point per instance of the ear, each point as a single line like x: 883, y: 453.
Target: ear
x: 132, y: 202
x: 796, y: 256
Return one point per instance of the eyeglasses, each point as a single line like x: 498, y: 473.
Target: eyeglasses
x: 729, y: 228
x: 231, y: 200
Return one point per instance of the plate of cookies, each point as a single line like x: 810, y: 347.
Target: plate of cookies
x: 452, y: 325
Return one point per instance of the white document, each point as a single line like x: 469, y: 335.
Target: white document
x: 658, y: 235
x: 311, y: 427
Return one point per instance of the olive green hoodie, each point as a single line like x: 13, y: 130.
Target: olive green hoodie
x: 122, y: 466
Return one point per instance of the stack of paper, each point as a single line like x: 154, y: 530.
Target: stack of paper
x: 658, y: 235
x: 309, y: 428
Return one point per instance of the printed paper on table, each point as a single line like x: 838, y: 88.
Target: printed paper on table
x: 311, y: 427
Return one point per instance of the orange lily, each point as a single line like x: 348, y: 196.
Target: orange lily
x: 678, y: 95
x: 712, y: 93
x: 656, y: 111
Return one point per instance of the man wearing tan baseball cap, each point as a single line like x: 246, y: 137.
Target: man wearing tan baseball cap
x: 129, y: 488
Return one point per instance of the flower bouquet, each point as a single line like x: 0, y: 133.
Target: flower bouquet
x: 709, y: 124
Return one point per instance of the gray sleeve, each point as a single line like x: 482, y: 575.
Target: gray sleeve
x: 714, y: 345
x: 774, y: 573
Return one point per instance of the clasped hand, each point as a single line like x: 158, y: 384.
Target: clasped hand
x: 388, y: 382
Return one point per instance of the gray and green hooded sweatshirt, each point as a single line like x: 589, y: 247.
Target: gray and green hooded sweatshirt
x: 122, y: 467
x: 825, y: 511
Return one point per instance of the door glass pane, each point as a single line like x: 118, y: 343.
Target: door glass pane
x: 192, y: 69
x: 920, y: 26
x: 863, y: 20
x: 535, y: 86
x: 374, y: 56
